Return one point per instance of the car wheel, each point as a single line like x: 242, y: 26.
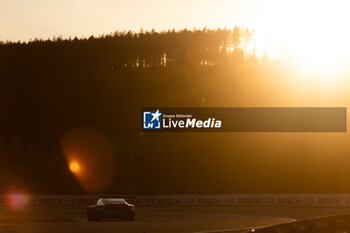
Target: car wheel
x: 129, y: 217
x: 90, y: 216
x: 97, y: 217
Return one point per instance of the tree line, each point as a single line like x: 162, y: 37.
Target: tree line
x: 119, y: 50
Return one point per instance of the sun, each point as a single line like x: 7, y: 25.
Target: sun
x: 313, y: 33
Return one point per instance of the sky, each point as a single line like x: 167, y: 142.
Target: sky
x: 29, y: 19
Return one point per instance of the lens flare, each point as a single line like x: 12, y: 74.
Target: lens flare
x: 91, y: 158
x: 17, y: 200
x: 74, y: 167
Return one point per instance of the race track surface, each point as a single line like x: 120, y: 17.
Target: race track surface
x: 156, y: 219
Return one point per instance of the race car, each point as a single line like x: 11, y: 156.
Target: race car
x: 111, y: 208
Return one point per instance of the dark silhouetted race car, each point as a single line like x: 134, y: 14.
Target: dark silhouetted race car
x: 111, y: 208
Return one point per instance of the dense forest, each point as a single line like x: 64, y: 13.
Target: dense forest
x: 131, y: 50
x: 51, y: 88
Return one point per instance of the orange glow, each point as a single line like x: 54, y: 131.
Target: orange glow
x: 91, y: 158
x: 74, y: 167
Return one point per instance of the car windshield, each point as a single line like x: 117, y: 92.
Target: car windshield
x: 114, y: 201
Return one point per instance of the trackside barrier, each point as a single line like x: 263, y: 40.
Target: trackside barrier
x: 295, y: 200
x: 327, y: 224
x: 47, y: 200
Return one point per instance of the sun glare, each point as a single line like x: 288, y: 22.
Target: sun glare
x: 312, y: 33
